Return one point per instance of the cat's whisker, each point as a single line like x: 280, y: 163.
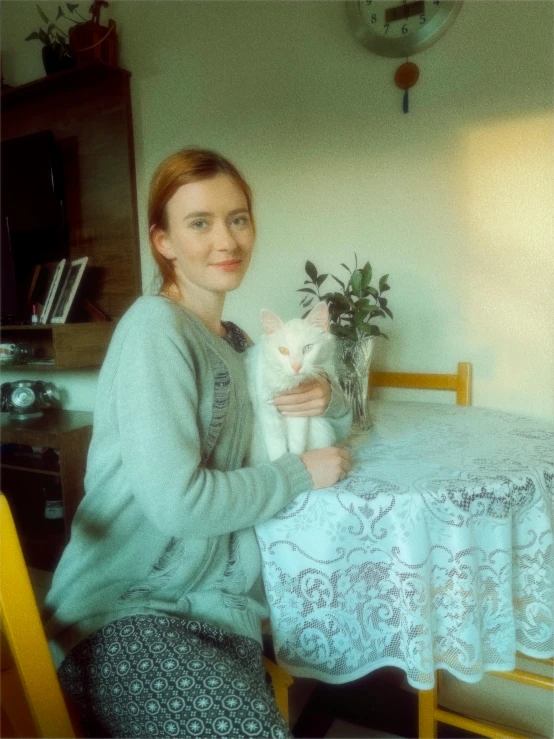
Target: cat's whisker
x: 319, y: 374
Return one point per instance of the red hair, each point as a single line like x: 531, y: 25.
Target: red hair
x: 188, y: 165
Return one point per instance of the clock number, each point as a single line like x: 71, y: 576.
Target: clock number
x: 373, y: 18
x: 404, y: 29
x: 421, y: 20
x: 387, y: 28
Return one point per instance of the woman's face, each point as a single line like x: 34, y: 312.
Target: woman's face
x: 210, y: 236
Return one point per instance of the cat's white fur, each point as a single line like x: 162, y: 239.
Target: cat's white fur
x: 281, y: 360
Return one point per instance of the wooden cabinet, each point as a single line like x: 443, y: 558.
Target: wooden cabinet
x: 88, y: 109
x: 32, y: 476
x: 62, y: 346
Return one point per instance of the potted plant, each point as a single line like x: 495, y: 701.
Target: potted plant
x: 56, y: 51
x: 353, y: 311
x: 82, y: 41
x: 91, y: 41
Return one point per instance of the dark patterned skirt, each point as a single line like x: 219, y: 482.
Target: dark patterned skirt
x: 153, y: 676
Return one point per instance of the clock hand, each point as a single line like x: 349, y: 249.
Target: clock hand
x: 405, y: 11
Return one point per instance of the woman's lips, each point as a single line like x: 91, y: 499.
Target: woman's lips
x: 228, y: 266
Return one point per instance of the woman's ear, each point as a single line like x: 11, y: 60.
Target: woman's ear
x: 163, y: 244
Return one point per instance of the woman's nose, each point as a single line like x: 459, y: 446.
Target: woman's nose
x: 225, y: 237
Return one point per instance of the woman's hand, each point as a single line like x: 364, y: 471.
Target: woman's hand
x: 308, y: 399
x: 326, y: 466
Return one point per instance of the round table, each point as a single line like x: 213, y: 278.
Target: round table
x: 435, y: 552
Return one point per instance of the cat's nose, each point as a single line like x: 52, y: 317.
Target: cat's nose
x: 296, y: 366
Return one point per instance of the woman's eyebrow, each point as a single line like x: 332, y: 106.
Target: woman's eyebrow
x: 198, y: 214
x: 206, y: 213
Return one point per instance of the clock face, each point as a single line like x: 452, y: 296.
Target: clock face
x: 400, y: 27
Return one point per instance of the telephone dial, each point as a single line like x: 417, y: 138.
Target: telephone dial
x: 26, y: 399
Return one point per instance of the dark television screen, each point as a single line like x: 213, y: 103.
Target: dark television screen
x: 34, y: 228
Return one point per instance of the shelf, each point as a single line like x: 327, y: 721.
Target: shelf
x: 49, y: 84
x: 69, y: 432
x: 89, y: 112
x: 33, y: 470
x: 69, y: 345
x: 46, y: 430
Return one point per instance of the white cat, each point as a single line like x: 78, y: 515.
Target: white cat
x: 286, y: 356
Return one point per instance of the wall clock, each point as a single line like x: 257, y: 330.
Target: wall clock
x: 400, y: 28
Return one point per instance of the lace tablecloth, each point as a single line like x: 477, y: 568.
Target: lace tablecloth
x: 436, y: 551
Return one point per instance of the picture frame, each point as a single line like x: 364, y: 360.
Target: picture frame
x: 66, y: 294
x: 33, y: 292
x: 52, y: 291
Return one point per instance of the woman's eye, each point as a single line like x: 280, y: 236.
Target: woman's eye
x: 199, y: 225
x: 283, y: 350
x: 241, y: 221
x: 308, y: 348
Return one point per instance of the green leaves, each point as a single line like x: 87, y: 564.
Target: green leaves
x: 311, y: 271
x: 321, y: 279
x: 356, y: 283
x: 43, y: 15
x: 353, y: 311
x: 366, y: 275
x: 54, y: 34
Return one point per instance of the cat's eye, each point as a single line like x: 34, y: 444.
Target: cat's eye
x: 308, y: 348
x: 283, y: 350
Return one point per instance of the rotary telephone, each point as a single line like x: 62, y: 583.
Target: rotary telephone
x: 27, y: 398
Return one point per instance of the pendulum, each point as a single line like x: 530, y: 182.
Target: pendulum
x: 405, y: 77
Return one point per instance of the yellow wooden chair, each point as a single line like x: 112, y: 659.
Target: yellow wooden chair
x: 281, y: 681
x: 460, y: 382
x: 32, y: 701
x: 430, y: 714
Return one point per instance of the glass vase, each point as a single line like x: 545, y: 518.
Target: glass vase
x: 353, y: 360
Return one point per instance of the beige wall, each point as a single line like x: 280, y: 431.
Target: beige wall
x: 452, y: 200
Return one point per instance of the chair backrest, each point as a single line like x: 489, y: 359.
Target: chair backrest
x: 460, y: 382
x: 31, y: 693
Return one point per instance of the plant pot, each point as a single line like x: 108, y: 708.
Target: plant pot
x: 353, y: 359
x: 91, y: 42
x: 55, y: 60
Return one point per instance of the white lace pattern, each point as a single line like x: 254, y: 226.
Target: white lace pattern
x: 436, y: 551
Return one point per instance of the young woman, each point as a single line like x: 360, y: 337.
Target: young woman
x: 156, y: 605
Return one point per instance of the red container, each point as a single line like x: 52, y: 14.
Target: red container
x: 91, y: 42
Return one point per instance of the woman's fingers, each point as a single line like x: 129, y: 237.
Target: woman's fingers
x: 309, y: 399
x: 326, y: 466
x: 305, y: 410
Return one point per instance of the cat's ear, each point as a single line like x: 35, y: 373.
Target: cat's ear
x: 271, y: 322
x: 319, y: 316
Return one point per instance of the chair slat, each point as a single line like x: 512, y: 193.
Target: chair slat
x: 25, y: 638
x: 460, y: 383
